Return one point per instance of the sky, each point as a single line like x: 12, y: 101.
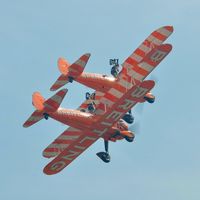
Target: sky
x: 163, y: 162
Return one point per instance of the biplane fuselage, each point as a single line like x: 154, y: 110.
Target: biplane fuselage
x: 97, y: 82
x: 83, y: 121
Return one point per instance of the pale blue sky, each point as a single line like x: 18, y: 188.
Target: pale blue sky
x: 164, y: 161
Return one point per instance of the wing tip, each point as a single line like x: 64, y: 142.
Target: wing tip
x: 166, y: 47
x: 65, y: 90
x: 52, y: 89
x: 88, y: 54
x: 169, y: 28
x: 25, y: 125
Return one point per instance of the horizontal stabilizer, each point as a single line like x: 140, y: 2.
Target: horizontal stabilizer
x: 70, y: 72
x: 53, y: 103
x: 77, y: 68
x: 34, y: 118
x: 42, y: 106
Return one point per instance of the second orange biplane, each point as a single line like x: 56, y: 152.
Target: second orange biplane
x: 102, y: 114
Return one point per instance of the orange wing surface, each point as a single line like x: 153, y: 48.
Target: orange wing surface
x: 154, y: 40
x: 68, y: 137
x: 141, y: 70
x: 70, y: 153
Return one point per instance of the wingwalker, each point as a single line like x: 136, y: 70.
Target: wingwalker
x: 106, y: 112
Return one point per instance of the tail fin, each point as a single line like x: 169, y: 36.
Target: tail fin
x: 38, y: 101
x: 42, y: 106
x: 69, y: 72
x: 63, y: 66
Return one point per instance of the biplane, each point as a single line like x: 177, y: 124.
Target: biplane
x: 106, y: 112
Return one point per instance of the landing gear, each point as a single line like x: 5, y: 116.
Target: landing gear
x: 128, y: 117
x: 46, y: 115
x: 104, y: 155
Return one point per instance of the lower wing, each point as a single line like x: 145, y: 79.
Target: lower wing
x: 62, y: 142
x: 78, y: 146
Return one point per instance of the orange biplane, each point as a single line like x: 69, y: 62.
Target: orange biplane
x: 105, y: 112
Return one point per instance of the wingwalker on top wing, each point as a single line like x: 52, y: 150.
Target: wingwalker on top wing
x: 105, y: 112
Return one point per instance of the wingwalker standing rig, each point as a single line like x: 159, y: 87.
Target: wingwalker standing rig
x: 105, y: 112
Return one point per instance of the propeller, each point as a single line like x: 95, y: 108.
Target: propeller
x: 136, y: 127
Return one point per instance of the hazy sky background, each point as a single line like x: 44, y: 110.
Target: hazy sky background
x: 163, y: 162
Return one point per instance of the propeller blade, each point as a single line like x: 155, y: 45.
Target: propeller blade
x: 136, y: 127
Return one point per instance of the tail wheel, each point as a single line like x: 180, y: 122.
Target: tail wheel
x: 46, y: 116
x: 70, y: 78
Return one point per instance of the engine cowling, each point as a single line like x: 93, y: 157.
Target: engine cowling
x: 127, y: 134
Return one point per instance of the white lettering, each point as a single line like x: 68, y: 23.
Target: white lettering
x: 79, y: 147
x: 87, y: 138
x: 139, y: 92
x: 158, y: 56
x: 57, y: 166
x: 106, y: 123
x: 127, y: 104
x: 114, y: 115
x: 70, y: 156
x: 99, y: 132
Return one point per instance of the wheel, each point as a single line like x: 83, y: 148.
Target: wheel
x: 46, y: 116
x: 129, y: 139
x: 104, y: 156
x: 70, y: 79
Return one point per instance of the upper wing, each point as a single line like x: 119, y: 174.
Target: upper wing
x: 132, y: 76
x: 70, y: 153
x: 141, y: 70
x: 154, y: 40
